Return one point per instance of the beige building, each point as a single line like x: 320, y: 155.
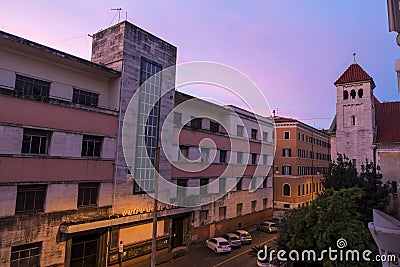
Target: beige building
x: 365, y: 128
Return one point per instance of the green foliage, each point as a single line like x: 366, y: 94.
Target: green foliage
x: 342, y: 211
x: 343, y: 174
x: 326, y: 220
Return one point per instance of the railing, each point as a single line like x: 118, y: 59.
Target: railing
x: 137, y: 250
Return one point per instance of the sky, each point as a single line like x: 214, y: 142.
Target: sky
x: 293, y: 50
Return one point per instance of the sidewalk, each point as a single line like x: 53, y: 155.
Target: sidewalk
x: 164, y: 256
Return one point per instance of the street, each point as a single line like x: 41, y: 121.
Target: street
x: 201, y: 256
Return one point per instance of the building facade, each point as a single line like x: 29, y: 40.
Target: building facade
x: 70, y: 193
x: 365, y: 129
x: 302, y: 157
x: 56, y: 164
x: 233, y: 169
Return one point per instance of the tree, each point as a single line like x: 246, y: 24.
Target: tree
x: 343, y: 174
x: 320, y: 225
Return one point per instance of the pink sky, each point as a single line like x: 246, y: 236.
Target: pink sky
x: 293, y: 50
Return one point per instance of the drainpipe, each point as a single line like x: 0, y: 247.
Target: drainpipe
x: 119, y: 133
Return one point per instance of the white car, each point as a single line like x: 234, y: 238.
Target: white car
x: 218, y: 245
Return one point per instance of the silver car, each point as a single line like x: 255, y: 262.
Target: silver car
x: 233, y: 240
x: 245, y: 237
x: 269, y: 227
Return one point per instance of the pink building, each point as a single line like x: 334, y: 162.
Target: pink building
x: 231, y: 180
x: 58, y: 129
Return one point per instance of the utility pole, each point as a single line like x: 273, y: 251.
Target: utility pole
x: 154, y: 236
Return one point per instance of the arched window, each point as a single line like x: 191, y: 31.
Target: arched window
x: 286, y: 190
x: 353, y: 120
x: 360, y: 93
x: 345, y: 94
x: 353, y: 94
x: 298, y: 190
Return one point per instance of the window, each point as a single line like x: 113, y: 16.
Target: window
x: 302, y: 137
x: 181, y: 189
x: 298, y: 190
x: 253, y: 206
x: 84, y: 250
x: 286, y: 206
x: 239, y: 209
x: 287, y: 135
x: 222, y: 185
x: 214, y: 127
x: 87, y: 194
x: 32, y: 87
x: 239, y: 184
x: 353, y: 94
x: 85, y: 98
x: 222, y: 213
x: 239, y: 130
x: 30, y: 198
x: 265, y: 182
x: 265, y: 203
x: 299, y: 153
x: 345, y: 94
x: 298, y: 136
x: 26, y: 255
x: 205, y: 154
x: 239, y: 157
x: 35, y: 142
x: 253, y: 183
x: 360, y: 93
x: 183, y: 152
x: 287, y: 152
x: 353, y: 120
x: 222, y: 156
x: 195, y: 123
x: 177, y: 119
x: 307, y: 185
x: 253, y: 158
x: 286, y: 190
x: 302, y: 189
x: 254, y: 134
x: 203, y: 186
x: 286, y: 170
x: 265, y: 136
x: 354, y: 161
x: 265, y: 159
x: 203, y: 217
x: 91, y: 146
x: 147, y: 134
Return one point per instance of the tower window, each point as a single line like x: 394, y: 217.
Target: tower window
x: 360, y: 93
x: 353, y: 94
x: 353, y: 120
x: 345, y: 94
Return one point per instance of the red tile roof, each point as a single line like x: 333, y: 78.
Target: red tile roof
x: 387, y: 117
x: 354, y: 73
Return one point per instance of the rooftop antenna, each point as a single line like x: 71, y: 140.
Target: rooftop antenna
x: 119, y: 12
x: 354, y: 57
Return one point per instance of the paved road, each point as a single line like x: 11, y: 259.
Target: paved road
x: 201, y: 256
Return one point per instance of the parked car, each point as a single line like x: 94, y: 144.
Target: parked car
x: 269, y: 227
x: 245, y: 237
x: 267, y: 263
x: 277, y: 220
x: 218, y: 245
x: 233, y: 240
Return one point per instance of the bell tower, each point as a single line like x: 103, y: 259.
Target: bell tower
x: 355, y: 115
